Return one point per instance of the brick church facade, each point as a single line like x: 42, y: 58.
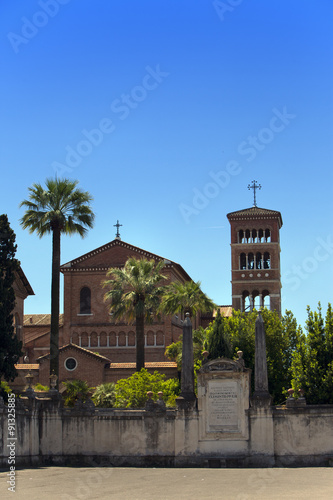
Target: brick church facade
x: 96, y: 348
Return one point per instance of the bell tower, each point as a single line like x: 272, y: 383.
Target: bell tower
x: 255, y: 257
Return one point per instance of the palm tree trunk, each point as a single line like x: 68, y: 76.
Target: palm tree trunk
x: 140, y: 342
x: 55, y: 290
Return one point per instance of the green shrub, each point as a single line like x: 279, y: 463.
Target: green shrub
x: 4, y: 391
x: 132, y: 392
x: 76, y: 389
x: 104, y: 395
x: 41, y: 388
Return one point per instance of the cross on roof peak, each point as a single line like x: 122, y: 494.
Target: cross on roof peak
x: 117, y: 233
x: 254, y: 186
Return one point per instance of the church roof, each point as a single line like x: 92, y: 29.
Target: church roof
x: 78, y: 348
x: 255, y: 213
x: 40, y: 320
x: 153, y: 364
x: 24, y: 281
x: 79, y: 261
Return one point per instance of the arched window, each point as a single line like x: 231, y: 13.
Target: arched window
x: 246, y: 303
x: 247, y: 236
x: 250, y: 262
x: 242, y: 261
x: 131, y: 339
x: 267, y: 261
x: 266, y: 299
x: 256, y: 300
x: 260, y: 236
x: 258, y: 260
x: 241, y: 236
x: 85, y: 300
x: 267, y: 235
x: 254, y: 236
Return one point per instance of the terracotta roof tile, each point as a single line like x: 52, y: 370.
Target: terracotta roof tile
x: 253, y: 212
x: 40, y: 320
x: 82, y: 349
x: 156, y: 364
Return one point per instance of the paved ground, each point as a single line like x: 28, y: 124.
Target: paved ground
x: 66, y: 483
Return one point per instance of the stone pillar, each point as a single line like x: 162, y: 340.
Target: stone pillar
x: 187, y: 397
x: 261, y: 396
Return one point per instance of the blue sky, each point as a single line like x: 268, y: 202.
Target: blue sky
x: 165, y: 112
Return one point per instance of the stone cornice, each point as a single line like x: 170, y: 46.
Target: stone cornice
x: 255, y: 213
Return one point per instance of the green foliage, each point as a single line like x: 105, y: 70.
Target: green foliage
x: 134, y: 295
x: 219, y: 343
x: 41, y: 388
x: 132, y: 392
x: 76, y: 389
x: 174, y: 352
x: 312, y: 361
x: 10, y: 346
x: 60, y: 206
x: 104, y: 395
x: 225, y: 336
x: 4, y: 390
x: 185, y: 297
x: 133, y: 290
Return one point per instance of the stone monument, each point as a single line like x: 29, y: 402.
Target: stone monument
x: 223, y: 399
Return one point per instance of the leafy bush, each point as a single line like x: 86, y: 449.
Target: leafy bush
x: 132, y: 392
x: 4, y: 391
x: 41, y: 388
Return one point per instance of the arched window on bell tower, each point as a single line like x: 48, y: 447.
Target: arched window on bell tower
x: 242, y: 261
x: 250, y: 261
x: 266, y: 300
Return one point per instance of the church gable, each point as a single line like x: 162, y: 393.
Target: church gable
x: 115, y: 254
x: 112, y: 254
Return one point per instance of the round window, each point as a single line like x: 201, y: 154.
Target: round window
x: 70, y: 364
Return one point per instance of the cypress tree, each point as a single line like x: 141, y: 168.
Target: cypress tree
x: 10, y: 346
x: 219, y: 344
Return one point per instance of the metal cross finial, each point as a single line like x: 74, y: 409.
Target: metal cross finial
x: 254, y: 186
x: 117, y: 226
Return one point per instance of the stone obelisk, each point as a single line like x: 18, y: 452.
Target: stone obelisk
x: 187, y: 397
x: 261, y: 396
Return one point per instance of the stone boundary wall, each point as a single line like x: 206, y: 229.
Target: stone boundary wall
x: 46, y: 434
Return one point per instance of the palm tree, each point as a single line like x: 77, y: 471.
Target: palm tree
x: 60, y: 208
x: 185, y: 297
x: 134, y: 295
x: 104, y: 395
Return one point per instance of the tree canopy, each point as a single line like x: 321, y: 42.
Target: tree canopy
x: 59, y: 208
x: 312, y: 359
x: 134, y: 294
x: 185, y: 297
x: 10, y: 346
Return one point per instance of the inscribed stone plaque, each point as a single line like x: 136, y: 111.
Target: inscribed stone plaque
x: 223, y: 406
